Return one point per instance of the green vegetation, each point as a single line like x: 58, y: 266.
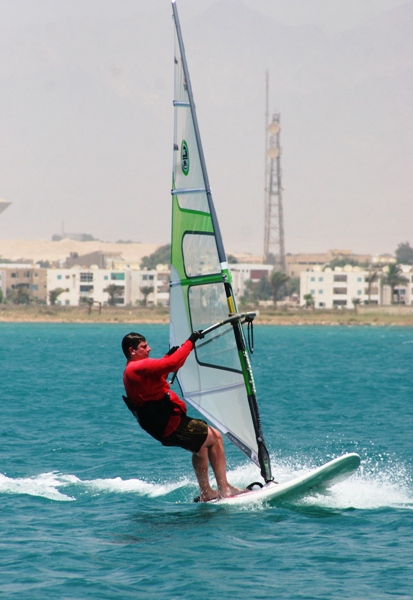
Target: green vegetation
x: 256, y: 290
x: 342, y: 262
x: 393, y: 277
x: 277, y: 282
x: 356, y: 302
x: 161, y: 256
x: 309, y: 300
x: 370, y: 279
x: 146, y: 290
x: 270, y: 259
x: 54, y: 294
x: 292, y: 286
x: 404, y: 254
x: 114, y: 291
x: 20, y: 294
x: 277, y: 286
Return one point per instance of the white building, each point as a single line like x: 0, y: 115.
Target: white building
x: 91, y: 283
x: 242, y: 272
x: 333, y: 289
x: 338, y: 288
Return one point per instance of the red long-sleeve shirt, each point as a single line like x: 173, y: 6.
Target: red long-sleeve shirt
x: 145, y: 380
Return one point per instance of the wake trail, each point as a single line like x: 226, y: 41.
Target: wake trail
x: 373, y: 486
x: 50, y: 485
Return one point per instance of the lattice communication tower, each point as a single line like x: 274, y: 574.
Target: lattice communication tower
x: 274, y: 251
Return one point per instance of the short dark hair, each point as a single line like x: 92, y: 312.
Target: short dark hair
x: 131, y: 340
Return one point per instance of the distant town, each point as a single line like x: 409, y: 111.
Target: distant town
x: 78, y: 269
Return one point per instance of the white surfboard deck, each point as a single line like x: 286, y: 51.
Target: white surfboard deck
x: 323, y: 477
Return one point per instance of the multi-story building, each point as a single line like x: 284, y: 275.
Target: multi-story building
x: 143, y: 281
x: 339, y: 288
x: 132, y: 286
x: 24, y: 277
x: 298, y: 263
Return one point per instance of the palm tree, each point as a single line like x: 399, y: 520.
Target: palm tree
x: 146, y: 290
x: 356, y: 302
x: 88, y: 301
x: 22, y: 294
x: 309, y: 300
x: 393, y: 277
x: 277, y: 280
x: 54, y: 294
x: 370, y: 279
x: 113, y: 291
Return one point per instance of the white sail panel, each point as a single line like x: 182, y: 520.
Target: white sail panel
x: 186, y: 162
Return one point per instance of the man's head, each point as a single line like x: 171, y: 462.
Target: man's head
x: 131, y: 342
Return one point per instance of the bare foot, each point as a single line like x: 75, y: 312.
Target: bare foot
x: 209, y: 496
x: 207, y: 493
x: 231, y: 491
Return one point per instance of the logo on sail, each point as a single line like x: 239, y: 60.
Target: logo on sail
x: 184, y: 157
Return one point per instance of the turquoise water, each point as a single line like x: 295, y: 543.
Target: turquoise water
x: 91, y: 507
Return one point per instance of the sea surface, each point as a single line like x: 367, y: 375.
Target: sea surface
x: 92, y: 507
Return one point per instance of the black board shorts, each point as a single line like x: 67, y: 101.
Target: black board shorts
x: 189, y: 435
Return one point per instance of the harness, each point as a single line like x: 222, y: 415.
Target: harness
x: 153, y: 416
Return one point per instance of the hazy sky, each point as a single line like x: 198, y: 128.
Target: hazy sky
x: 87, y: 117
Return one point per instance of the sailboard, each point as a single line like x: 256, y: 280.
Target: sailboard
x: 217, y: 378
x: 317, y: 480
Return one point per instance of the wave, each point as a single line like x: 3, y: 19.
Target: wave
x: 373, y: 486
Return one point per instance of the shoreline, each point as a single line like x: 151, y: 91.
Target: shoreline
x: 158, y: 315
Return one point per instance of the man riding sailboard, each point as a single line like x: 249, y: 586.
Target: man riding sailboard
x: 162, y: 414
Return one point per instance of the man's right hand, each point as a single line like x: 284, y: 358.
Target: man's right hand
x: 195, y: 336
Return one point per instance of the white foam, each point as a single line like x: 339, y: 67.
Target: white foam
x: 44, y: 485
x: 377, y: 484
x: 138, y: 486
x: 363, y: 493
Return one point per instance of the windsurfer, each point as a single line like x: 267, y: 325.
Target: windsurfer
x: 162, y: 413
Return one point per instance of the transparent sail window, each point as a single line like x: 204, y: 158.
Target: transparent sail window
x: 200, y: 254
x: 193, y: 201
x: 207, y: 306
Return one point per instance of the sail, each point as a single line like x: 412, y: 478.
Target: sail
x: 217, y: 377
